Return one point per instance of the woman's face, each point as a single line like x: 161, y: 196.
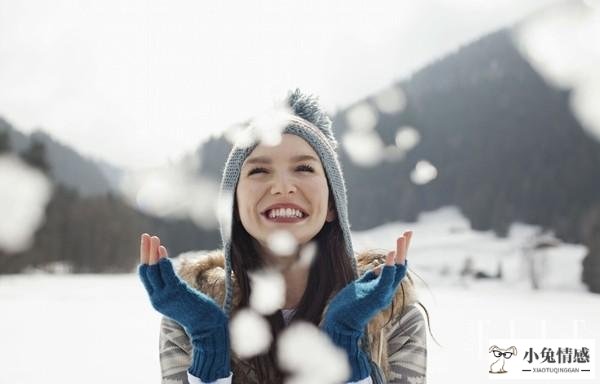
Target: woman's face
x: 284, y: 187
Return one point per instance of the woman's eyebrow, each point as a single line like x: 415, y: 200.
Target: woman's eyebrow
x: 267, y: 160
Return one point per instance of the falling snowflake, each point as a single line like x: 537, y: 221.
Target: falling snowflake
x: 23, y: 199
x: 310, y: 355
x: 249, y: 333
x: 268, y: 291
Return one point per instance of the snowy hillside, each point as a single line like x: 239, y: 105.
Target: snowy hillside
x: 102, y: 329
x: 443, y: 240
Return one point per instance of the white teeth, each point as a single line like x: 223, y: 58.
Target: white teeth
x: 285, y: 212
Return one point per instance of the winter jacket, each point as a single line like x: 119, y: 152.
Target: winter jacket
x: 397, y: 334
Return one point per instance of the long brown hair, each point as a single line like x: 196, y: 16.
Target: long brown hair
x: 330, y: 271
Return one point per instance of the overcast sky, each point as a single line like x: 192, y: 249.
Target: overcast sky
x: 140, y: 82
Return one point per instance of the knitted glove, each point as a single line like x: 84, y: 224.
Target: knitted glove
x: 204, y: 321
x: 354, y: 306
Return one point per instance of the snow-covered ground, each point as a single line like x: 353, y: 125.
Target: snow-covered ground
x: 442, y: 241
x: 102, y: 329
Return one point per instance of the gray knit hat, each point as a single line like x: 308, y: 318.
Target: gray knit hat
x: 308, y: 121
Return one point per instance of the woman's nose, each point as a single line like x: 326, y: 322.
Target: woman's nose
x: 283, y: 184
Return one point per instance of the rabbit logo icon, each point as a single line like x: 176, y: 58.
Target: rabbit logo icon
x: 502, y: 355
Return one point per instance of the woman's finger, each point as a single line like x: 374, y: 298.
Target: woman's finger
x: 400, y: 250
x: 162, y: 252
x: 408, y: 235
x: 144, y: 248
x: 154, y: 244
x: 389, y: 259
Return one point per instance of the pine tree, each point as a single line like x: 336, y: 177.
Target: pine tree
x: 35, y: 156
x: 4, y: 141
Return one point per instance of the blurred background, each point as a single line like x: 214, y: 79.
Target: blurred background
x: 474, y: 124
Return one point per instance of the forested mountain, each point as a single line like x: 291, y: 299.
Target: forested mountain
x: 95, y: 233
x: 68, y: 166
x: 506, y: 147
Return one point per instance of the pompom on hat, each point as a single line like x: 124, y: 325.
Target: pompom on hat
x: 307, y: 120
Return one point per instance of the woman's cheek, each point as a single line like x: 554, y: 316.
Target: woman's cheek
x: 256, y: 191
x: 319, y: 189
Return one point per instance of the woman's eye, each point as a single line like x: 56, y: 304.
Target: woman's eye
x: 302, y: 168
x: 256, y: 170
x: 305, y: 167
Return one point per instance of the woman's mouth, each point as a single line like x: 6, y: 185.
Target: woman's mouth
x: 284, y: 215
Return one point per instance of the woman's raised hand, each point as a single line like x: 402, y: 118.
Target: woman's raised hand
x: 204, y: 321
x: 172, y: 296
x: 356, y: 304
x: 397, y: 257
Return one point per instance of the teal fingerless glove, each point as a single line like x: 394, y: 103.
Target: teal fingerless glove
x: 354, y: 306
x: 204, y: 321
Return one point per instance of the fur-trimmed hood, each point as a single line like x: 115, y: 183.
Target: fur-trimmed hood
x: 207, y: 274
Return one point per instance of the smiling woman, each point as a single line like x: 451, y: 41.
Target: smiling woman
x: 288, y: 190
x: 363, y: 304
